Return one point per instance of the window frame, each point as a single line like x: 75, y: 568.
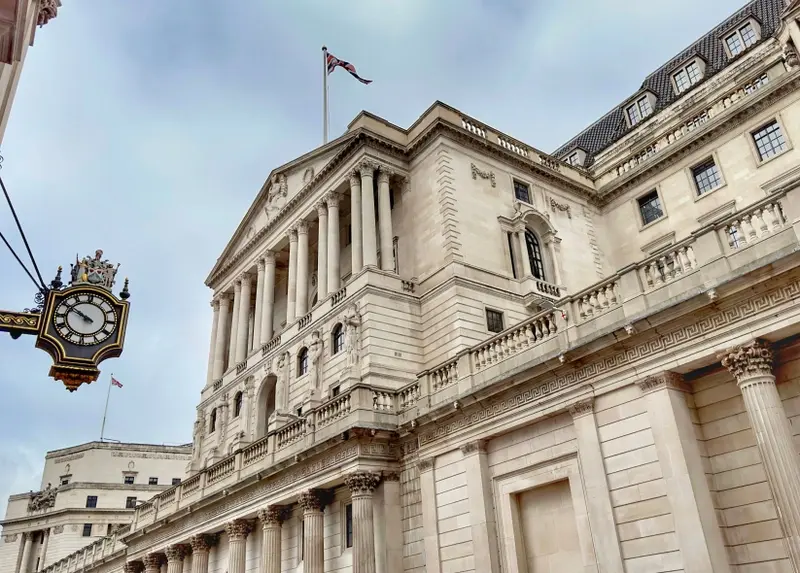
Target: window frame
x: 176, y: 481
x: 736, y: 30
x: 152, y: 481
x: 529, y: 252
x: 87, y: 530
x: 302, y: 362
x: 516, y: 181
x: 690, y: 173
x: 125, y: 479
x: 638, y: 209
x: 337, y: 339
x: 212, y: 421
x: 91, y: 502
x: 347, y: 525
x: 684, y: 69
x: 130, y: 502
x: 238, y: 399
x: 750, y: 134
x: 501, y: 316
x: 636, y: 102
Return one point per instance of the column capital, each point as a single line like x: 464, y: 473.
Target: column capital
x: 291, y: 234
x: 425, y: 464
x: 390, y: 476
x: 332, y: 199
x: 269, y: 257
x: 301, y: 227
x: 355, y: 178
x: 245, y: 277
x: 133, y: 567
x: 750, y: 360
x: 261, y: 265
x: 322, y: 208
x: 311, y: 500
x: 153, y: 561
x: 202, y: 542
x: 215, y: 303
x: 238, y: 529
x: 237, y: 284
x: 582, y: 408
x: 273, y: 514
x: 478, y: 446
x: 384, y: 174
x: 666, y: 379
x: 177, y: 552
x: 366, y: 167
x: 362, y: 483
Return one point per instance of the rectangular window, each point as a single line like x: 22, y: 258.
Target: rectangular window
x: 494, y: 320
x: 639, y: 110
x: 130, y: 502
x: 91, y: 501
x: 335, y: 391
x: 748, y: 34
x: 128, y: 480
x: 108, y: 528
x: 176, y: 481
x: 391, y: 198
x: 769, y: 140
x: 87, y: 529
x: 348, y: 235
x: 573, y: 158
x: 348, y: 525
x: 522, y: 192
x: 741, y: 39
x: 396, y: 254
x: 706, y: 176
x: 734, y: 42
x: 302, y: 539
x: 300, y: 411
x: 650, y: 207
x: 152, y: 481
x: 687, y: 77
x: 511, y: 253
x: 64, y: 481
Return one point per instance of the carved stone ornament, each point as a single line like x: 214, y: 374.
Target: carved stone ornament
x: 238, y: 529
x: 10, y: 538
x: 42, y: 500
x: 308, y: 175
x: 273, y: 514
x: 276, y: 197
x: 390, y: 476
x: 48, y: 9
x: 58, y: 529
x: 662, y: 380
x: 133, y: 567
x: 582, y: 408
x: 362, y: 483
x: 352, y: 324
x: 473, y: 447
x: 790, y: 57
x: 314, y: 359
x: 176, y: 552
x: 310, y: 500
x: 425, y: 464
x: 153, y: 561
x: 749, y: 360
x: 556, y: 206
x: 202, y: 542
x: 483, y: 174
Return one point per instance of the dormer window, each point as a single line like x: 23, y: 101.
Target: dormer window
x: 576, y: 158
x: 688, y: 75
x: 745, y: 35
x: 639, y: 109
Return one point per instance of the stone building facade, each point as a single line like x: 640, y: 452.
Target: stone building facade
x: 87, y: 492
x: 438, y: 349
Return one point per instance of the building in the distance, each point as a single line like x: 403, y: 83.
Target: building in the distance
x: 87, y: 492
x: 438, y: 349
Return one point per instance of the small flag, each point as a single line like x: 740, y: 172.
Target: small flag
x: 115, y: 382
x: 333, y: 62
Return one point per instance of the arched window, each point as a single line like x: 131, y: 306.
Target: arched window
x: 337, y: 339
x: 302, y: 361
x: 212, y: 425
x: 237, y: 404
x: 535, y: 254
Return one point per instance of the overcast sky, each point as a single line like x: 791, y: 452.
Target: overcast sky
x: 146, y: 129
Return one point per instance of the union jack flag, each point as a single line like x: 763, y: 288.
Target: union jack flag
x: 333, y: 62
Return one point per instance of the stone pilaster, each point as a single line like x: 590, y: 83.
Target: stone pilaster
x: 481, y: 512
x: 237, y: 299
x: 291, y: 282
x: 322, y: 252
x: 268, y: 304
x: 369, y: 235
x: 751, y: 365
x: 219, y: 339
x: 385, y: 219
x: 238, y: 531
x: 175, y: 556
x: 313, y: 541
x: 361, y: 486
x: 334, y: 243
x: 302, y: 269
x: 244, y: 318
x: 356, y: 243
x: 152, y: 562
x: 430, y: 518
x: 271, y: 519
x: 43, y: 554
x: 26, y: 540
x: 201, y: 545
x: 259, y: 309
x: 213, y: 346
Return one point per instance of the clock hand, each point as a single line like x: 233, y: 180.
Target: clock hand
x: 82, y: 315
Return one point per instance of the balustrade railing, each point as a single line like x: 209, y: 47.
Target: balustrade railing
x: 511, y: 145
x: 333, y: 410
x: 409, y: 396
x: 597, y: 300
x: 271, y: 345
x: 90, y: 554
x: 383, y: 401
x: 550, y: 162
x: 291, y: 434
x: 339, y: 296
x: 665, y: 267
x: 752, y: 226
x: 220, y: 470
x: 444, y: 375
x: 305, y: 321
x: 255, y: 452
x: 473, y: 127
x: 513, y: 340
x: 190, y: 486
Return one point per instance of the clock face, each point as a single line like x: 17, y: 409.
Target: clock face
x: 85, y: 319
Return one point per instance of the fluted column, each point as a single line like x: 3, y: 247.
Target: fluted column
x: 201, y: 545
x: 219, y: 340
x: 271, y: 519
x: 25, y: 552
x: 751, y: 365
x: 291, y: 294
x: 362, y: 485
x: 244, y: 318
x: 43, y: 555
x: 152, y: 562
x: 322, y: 252
x: 369, y: 234
x: 237, y: 544
x: 268, y: 305
x: 237, y: 298
x: 313, y: 549
x: 302, y: 268
x: 175, y: 556
x: 213, y: 346
x: 334, y: 244
x: 259, y: 310
x: 523, y: 253
x: 385, y: 219
x: 356, y: 244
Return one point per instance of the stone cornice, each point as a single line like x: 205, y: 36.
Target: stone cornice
x: 127, y: 447
x: 62, y: 514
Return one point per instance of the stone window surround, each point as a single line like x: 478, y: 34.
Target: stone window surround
x: 778, y: 118
x: 735, y: 30
x: 544, y: 231
x: 486, y: 310
x: 682, y: 67
x: 690, y: 175
x: 638, y: 213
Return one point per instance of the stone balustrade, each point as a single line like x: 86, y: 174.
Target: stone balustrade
x: 97, y: 552
x: 668, y: 265
x: 596, y: 300
x: 751, y: 226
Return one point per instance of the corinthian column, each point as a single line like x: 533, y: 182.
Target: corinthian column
x: 751, y: 365
x: 129, y: 567
x: 43, y: 554
x: 313, y: 549
x: 302, y: 268
x: 201, y: 545
x: 385, y: 219
x: 271, y: 518
x: 368, y: 214
x: 334, y: 245
x: 244, y: 319
x: 175, y: 556
x: 152, y: 562
x: 219, y: 339
x: 291, y: 294
x: 237, y: 299
x: 268, y: 306
x: 213, y: 347
x: 259, y: 311
x: 237, y: 544
x: 356, y: 245
x: 361, y: 485
x: 322, y: 252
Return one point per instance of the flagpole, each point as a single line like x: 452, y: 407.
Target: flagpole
x: 324, y: 95
x: 108, y: 395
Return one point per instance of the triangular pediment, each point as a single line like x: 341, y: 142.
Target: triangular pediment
x: 281, y: 186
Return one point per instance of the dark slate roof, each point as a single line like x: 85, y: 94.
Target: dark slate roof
x: 612, y: 126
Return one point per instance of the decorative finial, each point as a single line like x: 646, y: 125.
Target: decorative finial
x: 56, y: 283
x: 125, y: 295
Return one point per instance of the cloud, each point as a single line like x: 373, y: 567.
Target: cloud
x: 147, y: 128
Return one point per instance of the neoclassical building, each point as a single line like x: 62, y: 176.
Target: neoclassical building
x: 438, y: 349
x: 87, y: 492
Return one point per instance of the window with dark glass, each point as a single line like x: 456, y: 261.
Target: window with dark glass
x: 769, y: 140
x: 741, y: 39
x: 302, y: 540
x: 335, y: 391
x: 687, y: 77
x: 237, y: 404
x: 650, y: 207
x: 510, y: 237
x: 534, y: 254
x: 348, y: 525
x: 64, y: 481
x: 176, y: 481
x: 302, y: 362
x: 522, y: 192
x: 348, y: 235
x: 128, y: 480
x: 337, y: 339
x: 153, y: 481
x: 108, y: 528
x: 494, y: 320
x: 87, y: 529
x: 706, y: 176
x: 213, y: 422
x: 300, y: 411
x: 130, y: 502
x: 91, y: 501
x: 638, y: 110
